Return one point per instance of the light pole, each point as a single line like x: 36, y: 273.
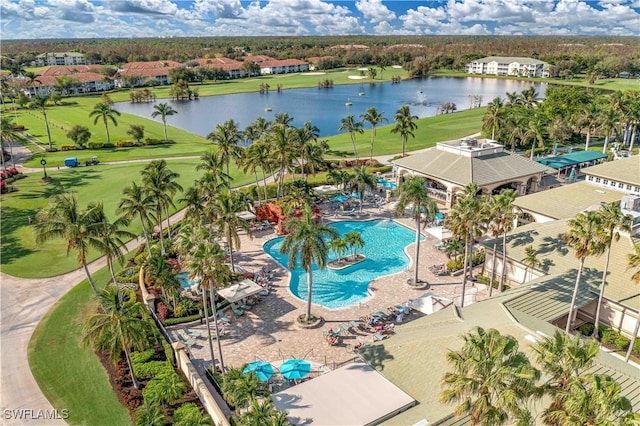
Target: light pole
x: 44, y: 163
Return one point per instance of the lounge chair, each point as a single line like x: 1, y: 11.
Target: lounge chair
x: 236, y: 309
x: 377, y: 337
x: 222, y: 316
x: 191, y: 333
x: 345, y: 327
x: 186, y: 341
x: 359, y: 325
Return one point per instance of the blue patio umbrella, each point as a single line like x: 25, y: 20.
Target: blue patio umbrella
x: 296, y: 368
x: 263, y: 370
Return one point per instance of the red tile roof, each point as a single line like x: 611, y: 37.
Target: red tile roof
x: 83, y: 77
x: 151, y: 65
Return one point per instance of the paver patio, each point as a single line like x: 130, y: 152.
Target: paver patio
x: 269, y: 331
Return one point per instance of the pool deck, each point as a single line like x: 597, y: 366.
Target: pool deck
x: 269, y: 331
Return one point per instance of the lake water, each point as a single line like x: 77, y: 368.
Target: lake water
x: 326, y: 107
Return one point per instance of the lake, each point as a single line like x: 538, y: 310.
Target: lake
x: 326, y: 107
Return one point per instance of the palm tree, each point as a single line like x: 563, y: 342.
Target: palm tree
x: 203, y: 257
x: 227, y: 136
x: 104, y: 112
x: 123, y: 324
x: 111, y: 238
x: 493, y: 117
x: 213, y: 162
x: 307, y: 239
x: 169, y: 388
x: 281, y: 139
x: 338, y: 177
x: 136, y: 201
x: 500, y: 218
x: 240, y: 389
x: 633, y: 261
x: 465, y: 221
x: 590, y: 118
x: 413, y: 191
x: 161, y: 183
x: 490, y: 378
x: 338, y: 246
x: 360, y: 181
x: 7, y: 135
x: 263, y: 413
x: 405, y: 124
x: 531, y: 260
x: 354, y: 241
x: 609, y: 124
x: 373, y: 117
x: 582, y: 237
x: 224, y: 209
x: 257, y: 157
x: 350, y: 125
x: 307, y: 135
x: 163, y: 110
x: 612, y: 221
x: 40, y: 102
x: 79, y: 228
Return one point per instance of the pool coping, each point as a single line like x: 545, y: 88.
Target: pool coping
x: 370, y: 294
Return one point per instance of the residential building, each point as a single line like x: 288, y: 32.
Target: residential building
x: 135, y: 74
x: 59, y: 58
x: 231, y: 66
x: 84, y: 79
x: 452, y: 165
x: 508, y: 66
x: 285, y: 66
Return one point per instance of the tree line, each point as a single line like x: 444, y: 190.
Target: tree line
x: 605, y: 56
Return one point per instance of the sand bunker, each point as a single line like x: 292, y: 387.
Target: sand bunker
x: 356, y: 77
x: 313, y: 73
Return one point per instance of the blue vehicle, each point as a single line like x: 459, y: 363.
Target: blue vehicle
x: 71, y: 162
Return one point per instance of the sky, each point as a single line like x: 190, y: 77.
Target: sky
x: 41, y: 19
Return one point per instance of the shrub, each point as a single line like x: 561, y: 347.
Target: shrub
x: 477, y: 257
x: 95, y: 145
x: 454, y: 264
x: 53, y: 149
x: 608, y: 336
x: 128, y: 275
x: 622, y: 342
x: 586, y: 329
x: 151, y: 369
x: 636, y: 346
x: 163, y: 311
x: 125, y: 143
x: 108, y: 145
x: 142, y: 356
x: 164, y: 388
x: 189, y: 414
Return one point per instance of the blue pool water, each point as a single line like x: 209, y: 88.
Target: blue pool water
x: 185, y: 282
x: 386, y: 183
x: 340, y: 198
x: 385, y: 241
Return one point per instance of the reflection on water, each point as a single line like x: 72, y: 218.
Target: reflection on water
x: 326, y: 107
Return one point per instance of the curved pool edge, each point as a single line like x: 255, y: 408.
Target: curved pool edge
x: 370, y: 295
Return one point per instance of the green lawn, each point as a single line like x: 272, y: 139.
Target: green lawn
x: 68, y: 373
x: 22, y: 257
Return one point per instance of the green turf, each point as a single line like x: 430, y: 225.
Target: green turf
x: 22, y: 257
x: 68, y: 373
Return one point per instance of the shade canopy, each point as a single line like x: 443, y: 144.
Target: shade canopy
x: 263, y: 370
x: 440, y: 232
x: 325, y: 189
x: 240, y: 290
x: 429, y: 303
x: 246, y: 215
x: 295, y: 368
x: 571, y: 159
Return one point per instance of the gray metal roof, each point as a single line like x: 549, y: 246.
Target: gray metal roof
x: 510, y: 59
x: 462, y: 170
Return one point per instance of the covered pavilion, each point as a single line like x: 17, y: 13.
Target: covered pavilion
x: 573, y: 161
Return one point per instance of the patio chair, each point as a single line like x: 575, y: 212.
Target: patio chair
x: 222, y: 316
x: 378, y: 337
x: 191, y: 333
x: 236, y: 309
x: 187, y: 342
x: 345, y: 327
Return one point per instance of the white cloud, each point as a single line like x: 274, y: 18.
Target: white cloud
x: 374, y: 11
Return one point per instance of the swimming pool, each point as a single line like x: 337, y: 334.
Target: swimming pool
x: 385, y: 241
x: 386, y: 183
x: 340, y: 198
x: 185, y: 282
